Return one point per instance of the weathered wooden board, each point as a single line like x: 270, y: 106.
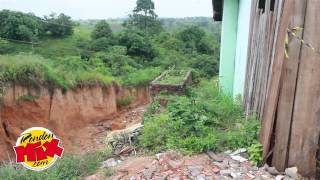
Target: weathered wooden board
x: 273, y: 92
x: 306, y: 115
x: 288, y: 90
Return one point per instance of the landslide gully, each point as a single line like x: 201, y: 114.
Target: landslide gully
x: 69, y: 115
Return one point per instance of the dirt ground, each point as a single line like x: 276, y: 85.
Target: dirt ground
x: 98, y: 132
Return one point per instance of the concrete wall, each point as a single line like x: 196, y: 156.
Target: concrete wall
x: 234, y: 45
x: 242, y: 46
x: 228, y: 45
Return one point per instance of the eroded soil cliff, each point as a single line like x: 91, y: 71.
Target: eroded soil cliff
x: 70, y: 115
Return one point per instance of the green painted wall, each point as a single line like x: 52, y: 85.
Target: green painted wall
x: 228, y: 45
x: 242, y: 47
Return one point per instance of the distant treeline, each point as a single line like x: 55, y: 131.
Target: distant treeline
x: 21, y: 26
x: 169, y: 24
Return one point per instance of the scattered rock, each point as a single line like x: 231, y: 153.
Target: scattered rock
x: 215, y: 169
x: 220, y: 165
x: 174, y: 178
x: 292, y: 172
x: 110, y: 163
x: 209, y: 166
x: 272, y: 170
x: 215, y: 157
x: 159, y: 155
x: 235, y: 175
x: 225, y: 172
x: 195, y: 170
x: 250, y: 175
x: 147, y: 173
x: 174, y: 164
x: 201, y: 177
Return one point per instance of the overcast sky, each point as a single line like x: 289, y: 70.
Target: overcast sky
x: 104, y: 9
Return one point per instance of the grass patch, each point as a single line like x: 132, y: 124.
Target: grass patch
x: 140, y: 77
x: 203, y: 120
x: 69, y: 167
x: 35, y: 71
x: 31, y: 71
x: 173, y: 77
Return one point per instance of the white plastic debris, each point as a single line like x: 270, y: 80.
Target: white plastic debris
x: 239, y: 158
x: 238, y: 151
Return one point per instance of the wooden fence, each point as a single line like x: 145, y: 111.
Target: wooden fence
x: 285, y: 93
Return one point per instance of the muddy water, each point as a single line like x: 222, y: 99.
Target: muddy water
x: 77, y: 117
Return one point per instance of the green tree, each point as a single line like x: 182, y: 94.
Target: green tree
x: 117, y: 62
x: 101, y: 29
x: 137, y: 44
x: 20, y: 26
x: 59, y: 26
x: 144, y: 17
x: 101, y: 44
x: 195, y: 39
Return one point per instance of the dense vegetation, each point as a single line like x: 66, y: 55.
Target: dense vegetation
x: 67, y: 54
x: 205, y: 119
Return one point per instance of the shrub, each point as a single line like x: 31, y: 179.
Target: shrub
x: 208, y: 66
x: 101, y: 29
x: 140, y: 77
x: 204, y: 120
x: 125, y: 101
x: 137, y: 44
x: 101, y: 44
x: 93, y: 78
x: 255, y: 153
x: 5, y: 47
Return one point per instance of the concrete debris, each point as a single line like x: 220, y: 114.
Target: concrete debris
x: 225, y: 172
x: 207, y: 166
x: 213, y: 156
x: 272, y: 170
x: 292, y: 172
x: 110, y: 163
x: 279, y: 177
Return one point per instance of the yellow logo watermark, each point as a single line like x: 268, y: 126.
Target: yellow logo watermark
x: 37, y: 149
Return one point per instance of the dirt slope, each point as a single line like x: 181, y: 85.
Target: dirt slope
x: 71, y: 116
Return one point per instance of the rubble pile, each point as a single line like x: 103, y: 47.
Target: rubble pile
x: 205, y: 166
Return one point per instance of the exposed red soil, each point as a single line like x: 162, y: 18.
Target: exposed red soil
x: 76, y: 117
